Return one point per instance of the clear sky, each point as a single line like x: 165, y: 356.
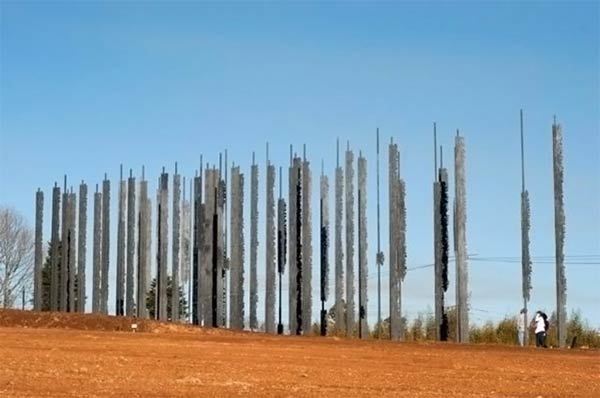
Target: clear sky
x: 85, y: 86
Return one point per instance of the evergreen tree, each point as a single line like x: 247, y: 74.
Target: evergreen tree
x: 151, y: 300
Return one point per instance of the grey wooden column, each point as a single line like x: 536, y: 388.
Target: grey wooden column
x: 105, y: 244
x: 362, y: 239
x: 525, y: 226
x: 176, y: 245
x: 462, y: 277
x: 307, y: 249
x: 253, y: 244
x: 396, y: 324
x: 131, y: 248
x: 39, y: 254
x: 55, y: 250
x: 144, y: 256
x: 161, y: 312
x: 270, y: 248
x: 197, y: 252
x: 324, y: 247
x: 237, y: 250
x: 340, y: 326
x: 186, y: 242
x: 97, y: 254
x: 64, y: 251
x: 350, y: 310
x: 121, y: 242
x: 72, y: 252
x: 82, y: 247
x: 559, y: 233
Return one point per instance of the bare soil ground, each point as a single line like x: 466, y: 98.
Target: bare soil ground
x: 66, y: 355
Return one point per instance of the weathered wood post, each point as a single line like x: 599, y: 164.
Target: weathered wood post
x: 121, y: 241
x: 105, y: 256
x: 39, y: 255
x: 176, y: 248
x: 55, y: 241
x: 237, y: 250
x: 64, y: 249
x: 340, y: 325
x: 462, y: 277
x: 144, y: 233
x: 559, y: 228
x: 253, y: 244
x: 270, y: 248
x: 281, y: 245
x: 97, y: 254
x: 349, y: 175
x: 363, y: 244
x: 525, y: 226
x: 162, y: 246
x: 324, y: 241
x: 81, y: 250
x: 130, y: 294
x: 307, y: 249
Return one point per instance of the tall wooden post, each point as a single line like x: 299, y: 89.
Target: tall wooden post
x: 559, y: 228
x: 39, y: 255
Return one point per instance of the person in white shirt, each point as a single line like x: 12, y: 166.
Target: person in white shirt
x: 521, y: 326
x: 540, y: 330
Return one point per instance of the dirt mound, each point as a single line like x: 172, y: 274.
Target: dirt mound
x: 61, y: 320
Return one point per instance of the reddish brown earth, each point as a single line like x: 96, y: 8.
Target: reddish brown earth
x: 62, y: 355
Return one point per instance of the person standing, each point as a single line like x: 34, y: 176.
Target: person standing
x: 521, y: 326
x: 540, y: 330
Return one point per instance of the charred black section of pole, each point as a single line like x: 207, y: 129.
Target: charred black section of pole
x: 215, y: 262
x: 299, y: 323
x: 444, y: 253
x: 281, y: 251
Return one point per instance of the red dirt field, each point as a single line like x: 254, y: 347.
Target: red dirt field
x: 66, y: 355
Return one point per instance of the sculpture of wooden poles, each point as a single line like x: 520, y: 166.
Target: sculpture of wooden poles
x: 559, y: 228
x: 460, y: 217
x: 281, y: 245
x: 324, y: 229
x: 525, y: 226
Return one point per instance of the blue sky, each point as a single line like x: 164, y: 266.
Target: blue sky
x: 87, y: 86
